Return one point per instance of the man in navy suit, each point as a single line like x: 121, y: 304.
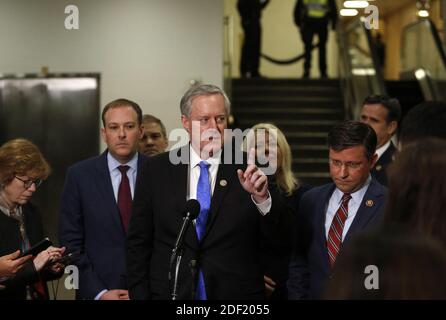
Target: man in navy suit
x: 331, y: 214
x: 382, y: 113
x: 238, y: 214
x: 97, y: 203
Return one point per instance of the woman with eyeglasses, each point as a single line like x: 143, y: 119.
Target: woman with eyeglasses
x: 22, y: 170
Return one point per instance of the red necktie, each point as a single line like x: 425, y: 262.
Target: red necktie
x: 334, y: 239
x: 124, y: 198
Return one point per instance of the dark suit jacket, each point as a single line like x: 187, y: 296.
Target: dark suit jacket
x: 229, y: 253
x: 10, y: 241
x: 90, y: 223
x: 379, y: 171
x: 275, y: 259
x: 309, y: 268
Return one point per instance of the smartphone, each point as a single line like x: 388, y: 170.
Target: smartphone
x: 67, y: 258
x: 38, y: 247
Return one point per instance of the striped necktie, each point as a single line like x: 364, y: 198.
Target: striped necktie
x: 334, y: 239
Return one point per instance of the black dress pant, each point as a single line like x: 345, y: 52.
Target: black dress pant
x: 309, y: 28
x: 249, y: 62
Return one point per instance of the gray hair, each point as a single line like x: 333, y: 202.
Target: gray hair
x: 201, y: 90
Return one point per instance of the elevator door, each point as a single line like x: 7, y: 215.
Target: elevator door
x: 61, y: 116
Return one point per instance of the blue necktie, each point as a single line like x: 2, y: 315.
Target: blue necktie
x: 204, y: 198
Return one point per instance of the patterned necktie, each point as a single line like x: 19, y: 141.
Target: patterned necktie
x: 204, y: 198
x: 334, y: 239
x: 124, y: 198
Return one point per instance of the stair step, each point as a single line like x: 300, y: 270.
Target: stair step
x: 305, y: 110
x: 239, y: 83
x: 288, y: 90
x: 309, y: 151
x: 296, y: 125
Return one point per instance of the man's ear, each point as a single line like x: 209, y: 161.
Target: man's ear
x: 391, y: 128
x: 103, y: 135
x: 185, y: 122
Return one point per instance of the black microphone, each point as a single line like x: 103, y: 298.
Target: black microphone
x: 191, y: 212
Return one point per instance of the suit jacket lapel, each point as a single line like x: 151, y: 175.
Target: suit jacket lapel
x: 224, y: 178
x: 106, y: 188
x: 367, y: 210
x: 321, y: 209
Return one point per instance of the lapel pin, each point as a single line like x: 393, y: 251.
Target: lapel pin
x: 369, y: 203
x: 379, y: 167
x: 223, y: 183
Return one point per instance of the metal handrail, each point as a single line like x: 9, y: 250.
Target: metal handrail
x: 350, y: 80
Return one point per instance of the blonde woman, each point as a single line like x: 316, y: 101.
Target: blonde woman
x: 274, y: 152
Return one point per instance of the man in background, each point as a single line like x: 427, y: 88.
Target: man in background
x: 330, y: 215
x: 313, y: 17
x: 382, y: 114
x: 250, y: 12
x: 97, y: 203
x: 154, y: 140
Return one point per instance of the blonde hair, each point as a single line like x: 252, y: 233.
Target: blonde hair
x: 285, y: 178
x: 21, y: 157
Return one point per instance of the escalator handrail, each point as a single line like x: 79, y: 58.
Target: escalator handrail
x: 435, y: 35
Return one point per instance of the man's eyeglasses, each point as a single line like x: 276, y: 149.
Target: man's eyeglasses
x: 28, y: 183
x: 348, y: 164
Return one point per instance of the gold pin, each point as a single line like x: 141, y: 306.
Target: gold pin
x: 223, y: 183
x: 369, y: 203
x: 379, y: 167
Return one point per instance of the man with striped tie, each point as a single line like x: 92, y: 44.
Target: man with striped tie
x: 331, y: 214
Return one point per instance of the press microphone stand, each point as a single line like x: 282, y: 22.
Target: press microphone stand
x: 191, y: 213
x: 177, y: 255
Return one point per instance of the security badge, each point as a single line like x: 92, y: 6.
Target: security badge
x: 369, y: 203
x: 223, y: 183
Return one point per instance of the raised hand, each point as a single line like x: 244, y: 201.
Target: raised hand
x: 253, y: 180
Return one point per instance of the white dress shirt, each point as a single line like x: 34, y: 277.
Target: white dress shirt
x: 214, y: 162
x: 382, y: 149
x: 115, y: 174
x: 353, y: 205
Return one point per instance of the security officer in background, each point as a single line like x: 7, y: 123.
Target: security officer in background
x: 250, y: 12
x: 312, y: 17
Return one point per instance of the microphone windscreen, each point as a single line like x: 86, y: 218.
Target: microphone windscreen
x: 192, y: 209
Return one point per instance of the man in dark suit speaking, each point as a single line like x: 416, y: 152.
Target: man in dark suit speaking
x: 238, y: 212
x: 97, y: 203
x: 331, y: 214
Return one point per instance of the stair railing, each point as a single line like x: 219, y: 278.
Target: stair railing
x: 423, y: 58
x: 359, y: 67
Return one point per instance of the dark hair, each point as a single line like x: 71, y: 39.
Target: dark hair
x: 409, y: 266
x: 118, y: 103
x: 350, y: 134
x: 391, y: 104
x: 417, y: 188
x: 148, y: 118
x: 427, y: 119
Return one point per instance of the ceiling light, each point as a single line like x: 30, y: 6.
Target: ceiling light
x: 423, y: 13
x: 348, y: 12
x: 359, y: 4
